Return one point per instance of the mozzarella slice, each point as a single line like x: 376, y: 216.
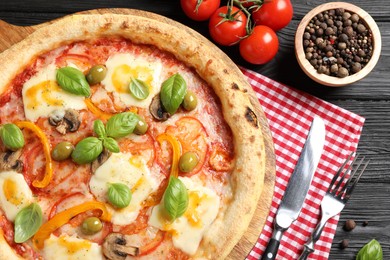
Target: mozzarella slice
x: 127, y: 169
x: 121, y: 67
x: 42, y: 95
x: 71, y: 248
x: 187, y: 231
x: 14, y: 193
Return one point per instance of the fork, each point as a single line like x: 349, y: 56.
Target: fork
x: 335, y: 199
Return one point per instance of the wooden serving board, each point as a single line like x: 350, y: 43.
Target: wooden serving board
x: 11, y: 34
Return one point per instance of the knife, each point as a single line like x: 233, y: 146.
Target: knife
x: 298, y: 186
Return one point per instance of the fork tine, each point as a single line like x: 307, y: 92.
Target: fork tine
x: 349, y: 168
x: 340, y: 170
x: 354, y: 171
x: 352, y: 187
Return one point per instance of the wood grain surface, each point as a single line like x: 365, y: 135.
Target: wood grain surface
x: 11, y: 34
x: 369, y: 97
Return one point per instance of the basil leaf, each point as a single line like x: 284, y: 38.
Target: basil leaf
x: 73, y: 81
x: 87, y: 150
x: 99, y: 129
x: 121, y: 124
x: 371, y: 251
x: 12, y: 137
x: 27, y: 222
x: 111, y: 144
x: 172, y: 93
x: 119, y: 195
x: 175, y: 198
x: 138, y: 89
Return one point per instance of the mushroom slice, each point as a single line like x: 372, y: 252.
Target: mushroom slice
x: 9, y: 160
x: 65, y: 121
x: 117, y: 246
x: 157, y: 110
x: 100, y: 160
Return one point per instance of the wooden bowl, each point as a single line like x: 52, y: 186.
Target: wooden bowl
x: 333, y: 81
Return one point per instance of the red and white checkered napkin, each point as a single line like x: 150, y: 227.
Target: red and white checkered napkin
x: 289, y: 113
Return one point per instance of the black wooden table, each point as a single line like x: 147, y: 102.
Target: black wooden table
x: 369, y: 98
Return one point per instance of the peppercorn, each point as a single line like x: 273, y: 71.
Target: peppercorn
x: 365, y: 223
x: 346, y: 16
x: 350, y: 224
x: 347, y: 23
x: 355, y: 18
x: 361, y: 28
x: 356, y: 67
x: 348, y: 31
x: 344, y: 243
x: 329, y: 31
x: 342, y: 72
x: 334, y: 68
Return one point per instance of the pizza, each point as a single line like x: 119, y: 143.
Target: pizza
x: 125, y: 136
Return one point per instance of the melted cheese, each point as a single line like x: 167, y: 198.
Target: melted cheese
x: 122, y: 67
x: 14, y: 193
x: 130, y: 170
x: 71, y: 248
x: 187, y: 231
x: 42, y: 95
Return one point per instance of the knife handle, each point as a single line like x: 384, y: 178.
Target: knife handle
x: 271, y: 250
x: 273, y: 245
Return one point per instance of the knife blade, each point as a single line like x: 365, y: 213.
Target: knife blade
x: 298, y: 186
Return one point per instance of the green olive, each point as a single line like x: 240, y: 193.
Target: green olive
x: 62, y: 151
x: 96, y: 74
x: 190, y: 101
x: 188, y: 161
x: 141, y: 127
x: 91, y: 226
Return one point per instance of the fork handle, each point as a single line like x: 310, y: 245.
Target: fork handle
x: 309, y: 245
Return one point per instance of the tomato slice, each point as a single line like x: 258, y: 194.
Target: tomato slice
x: 33, y: 162
x: 53, y: 209
x: 142, y: 146
x: 150, y: 247
x: 192, y: 135
x: 139, y: 224
x: 220, y: 159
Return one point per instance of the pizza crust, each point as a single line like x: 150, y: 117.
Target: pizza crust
x: 235, y: 93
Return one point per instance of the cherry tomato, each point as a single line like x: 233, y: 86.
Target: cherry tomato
x: 199, y: 10
x: 261, y: 46
x: 275, y: 14
x: 225, y: 28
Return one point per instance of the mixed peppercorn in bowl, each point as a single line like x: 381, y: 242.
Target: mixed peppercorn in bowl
x: 337, y: 44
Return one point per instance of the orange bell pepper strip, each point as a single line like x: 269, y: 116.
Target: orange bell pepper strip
x: 63, y: 217
x: 100, y: 113
x: 46, y: 150
x: 96, y: 111
x: 176, y: 147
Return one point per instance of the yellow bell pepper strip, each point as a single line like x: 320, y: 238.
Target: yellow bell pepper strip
x: 100, y: 113
x: 63, y: 217
x: 176, y: 147
x: 46, y: 150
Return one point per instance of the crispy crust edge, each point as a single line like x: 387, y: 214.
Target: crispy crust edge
x: 240, y: 111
